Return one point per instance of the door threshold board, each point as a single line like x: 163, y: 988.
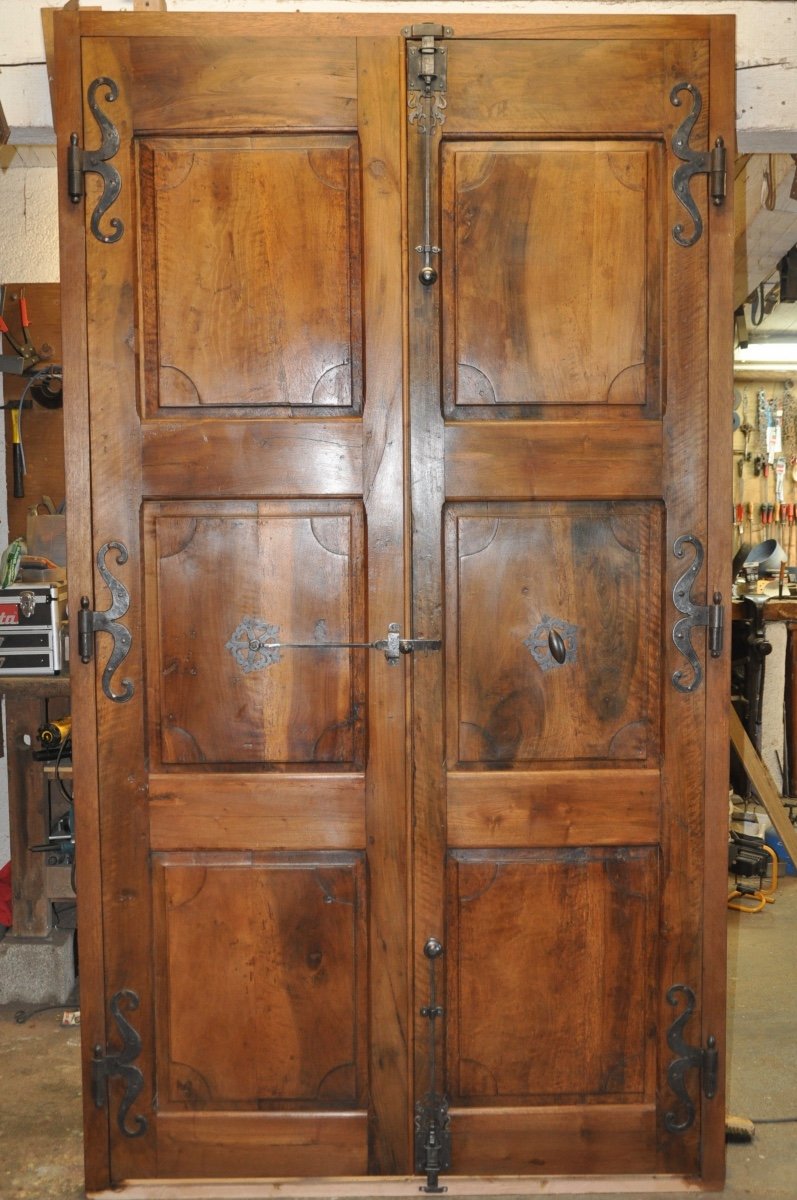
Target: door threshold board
x: 395, y: 1185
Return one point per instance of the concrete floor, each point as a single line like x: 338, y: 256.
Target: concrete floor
x: 40, y: 1107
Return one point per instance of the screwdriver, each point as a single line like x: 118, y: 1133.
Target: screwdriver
x: 18, y: 455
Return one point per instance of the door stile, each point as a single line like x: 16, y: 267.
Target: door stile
x: 69, y: 118
x: 387, y: 817
x: 684, y: 448
x: 427, y: 499
x: 718, y: 555
x: 117, y: 493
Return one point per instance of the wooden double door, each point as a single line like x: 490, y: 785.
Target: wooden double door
x: 400, y: 806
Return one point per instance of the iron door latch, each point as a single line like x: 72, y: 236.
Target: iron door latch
x: 254, y: 644
x: 432, y: 1116
x: 427, y: 82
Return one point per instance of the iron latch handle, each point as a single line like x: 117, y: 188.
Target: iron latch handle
x: 393, y: 645
x: 254, y: 644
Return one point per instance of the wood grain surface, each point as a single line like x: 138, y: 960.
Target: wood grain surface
x: 298, y: 442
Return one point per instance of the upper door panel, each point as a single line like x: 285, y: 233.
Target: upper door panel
x: 251, y: 288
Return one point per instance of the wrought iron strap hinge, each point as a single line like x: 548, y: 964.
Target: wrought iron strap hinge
x: 711, y: 162
x: 705, y: 1060
x: 80, y: 161
x: 90, y: 622
x: 708, y: 616
x: 119, y: 1065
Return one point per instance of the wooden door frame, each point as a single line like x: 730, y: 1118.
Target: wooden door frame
x: 70, y: 26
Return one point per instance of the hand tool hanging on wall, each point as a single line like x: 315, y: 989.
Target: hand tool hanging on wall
x: 49, y: 378
x: 17, y: 451
x: 25, y: 356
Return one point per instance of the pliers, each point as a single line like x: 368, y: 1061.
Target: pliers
x: 26, y: 357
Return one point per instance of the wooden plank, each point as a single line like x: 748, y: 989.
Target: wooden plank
x: 500, y: 26
x: 273, y: 457
x: 68, y: 117
x: 531, y: 454
x: 719, y: 552
x: 196, y: 1143
x: 114, y: 435
x: 553, y: 808
x: 764, y: 784
x: 685, y: 342
x: 388, y: 813
x: 331, y: 1188
x: 28, y: 819
x: 595, y: 1137
x: 250, y: 91
x: 257, y: 812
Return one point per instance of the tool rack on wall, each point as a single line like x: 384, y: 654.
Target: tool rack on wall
x: 40, y: 877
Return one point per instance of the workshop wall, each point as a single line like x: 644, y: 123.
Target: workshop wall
x: 28, y: 202
x: 765, y: 405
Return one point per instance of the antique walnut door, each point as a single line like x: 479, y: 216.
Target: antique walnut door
x: 400, y: 820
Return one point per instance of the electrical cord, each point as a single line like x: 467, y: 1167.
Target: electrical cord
x: 24, y: 1015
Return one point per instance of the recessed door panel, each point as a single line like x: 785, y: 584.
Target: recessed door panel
x: 281, y: 943
x: 551, y: 281
x: 252, y: 293
x: 219, y: 605
x: 557, y: 1009
x: 563, y: 667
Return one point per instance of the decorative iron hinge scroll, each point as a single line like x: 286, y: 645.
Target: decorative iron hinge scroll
x: 119, y: 1065
x: 710, y: 162
x: 427, y: 78
x: 254, y: 644
x: 80, y: 161
x: 706, y: 1061
x: 432, y: 1118
x: 709, y: 616
x: 90, y: 622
